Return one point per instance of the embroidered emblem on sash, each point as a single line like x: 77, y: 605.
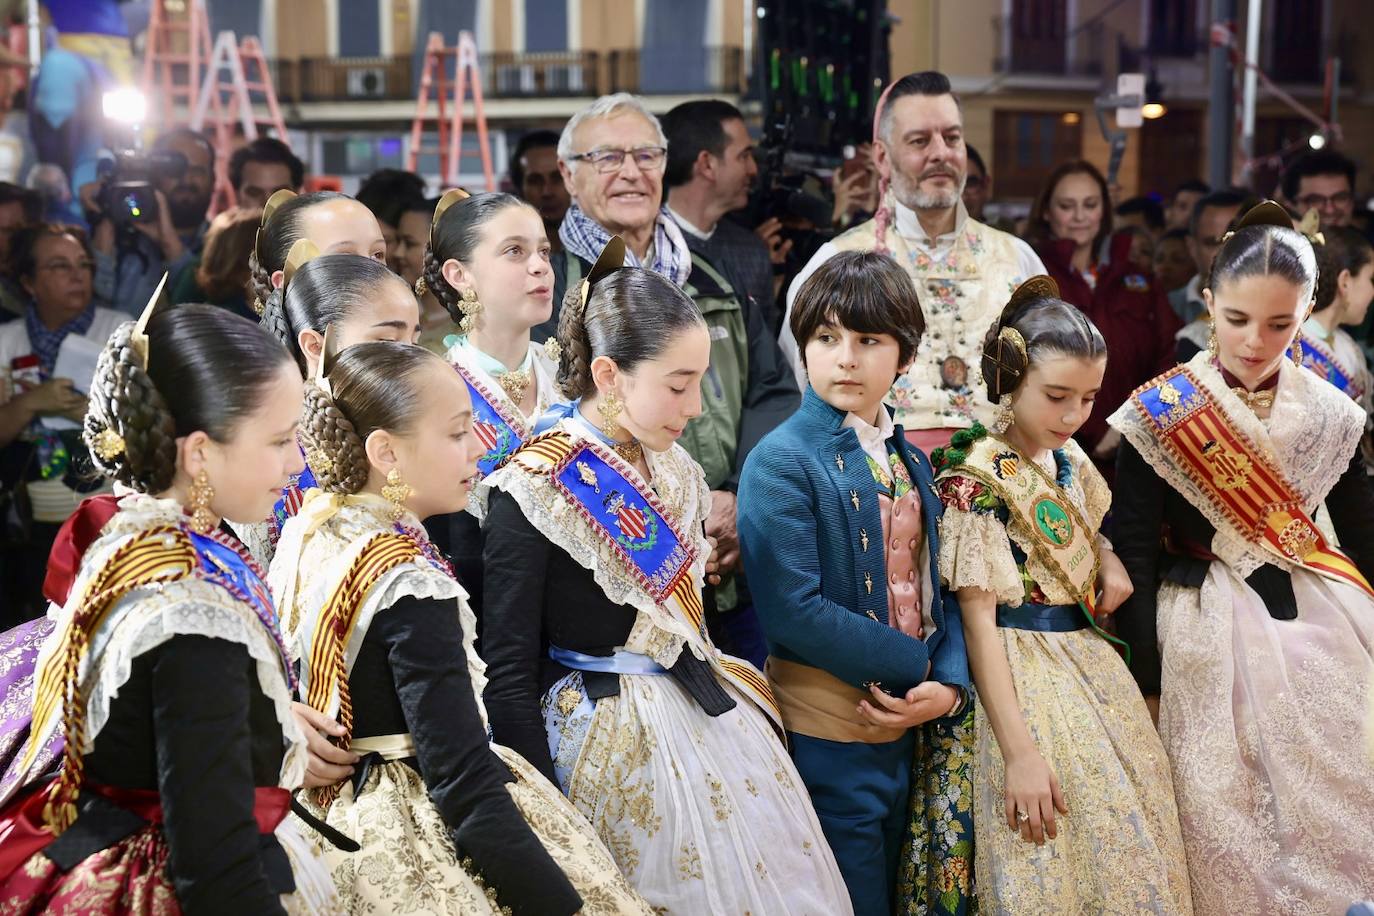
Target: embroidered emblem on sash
x: 492, y: 424
x: 1005, y: 465
x: 1235, y: 477
x: 628, y: 517
x: 1052, y: 521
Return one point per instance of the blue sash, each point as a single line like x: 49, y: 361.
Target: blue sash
x: 622, y: 662
x: 224, y: 566
x: 1044, y: 618
x: 1323, y: 362
x: 496, y: 429
x: 628, y: 518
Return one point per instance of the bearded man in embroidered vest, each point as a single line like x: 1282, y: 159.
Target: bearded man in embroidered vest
x: 963, y: 270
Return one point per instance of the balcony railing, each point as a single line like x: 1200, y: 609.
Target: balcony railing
x: 512, y: 75
x: 1048, y: 52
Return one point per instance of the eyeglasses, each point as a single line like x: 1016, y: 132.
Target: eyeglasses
x: 1322, y: 202
x: 606, y: 161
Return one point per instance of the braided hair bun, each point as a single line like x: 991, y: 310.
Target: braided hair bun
x: 128, y: 427
x: 339, y: 458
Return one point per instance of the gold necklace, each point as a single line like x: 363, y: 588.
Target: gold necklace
x: 631, y: 451
x: 1263, y: 399
x: 515, y: 383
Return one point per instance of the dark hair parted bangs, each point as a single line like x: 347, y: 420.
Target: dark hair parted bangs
x: 863, y: 291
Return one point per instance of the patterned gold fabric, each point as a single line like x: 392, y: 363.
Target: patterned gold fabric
x: 1119, y: 850
x: 408, y: 864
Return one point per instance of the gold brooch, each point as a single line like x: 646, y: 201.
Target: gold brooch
x: 515, y: 383
x: 553, y: 349
x: 108, y: 444
x: 1263, y: 399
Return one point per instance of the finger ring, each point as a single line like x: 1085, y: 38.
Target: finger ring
x: 1022, y: 816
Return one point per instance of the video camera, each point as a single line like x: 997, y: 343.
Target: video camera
x: 128, y: 184
x: 780, y: 192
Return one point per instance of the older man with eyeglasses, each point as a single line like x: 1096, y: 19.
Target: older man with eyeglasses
x: 612, y: 155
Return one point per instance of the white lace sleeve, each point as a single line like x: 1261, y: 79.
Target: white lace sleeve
x: 975, y: 552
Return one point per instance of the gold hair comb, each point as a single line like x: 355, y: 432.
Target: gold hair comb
x: 321, y: 379
x: 612, y: 258
x: 304, y: 250
x: 451, y: 197
x: 139, y: 338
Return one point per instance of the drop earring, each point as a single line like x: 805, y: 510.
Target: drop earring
x: 1213, y: 347
x: 610, y: 409
x: 203, y: 520
x: 1295, y: 351
x: 396, y: 491
x: 1002, y: 422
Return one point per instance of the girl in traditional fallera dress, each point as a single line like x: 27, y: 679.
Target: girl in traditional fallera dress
x: 487, y: 261
x: 447, y: 822
x: 336, y: 223
x: 1345, y: 285
x: 361, y: 300
x: 1073, y: 808
x: 166, y: 673
x: 1251, y: 633
x: 602, y: 674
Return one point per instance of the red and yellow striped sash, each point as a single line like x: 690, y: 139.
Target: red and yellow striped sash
x: 334, y: 627
x: 1236, y: 477
x: 158, y: 555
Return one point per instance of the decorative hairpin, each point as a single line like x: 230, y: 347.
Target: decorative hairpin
x: 321, y: 379
x: 108, y: 444
x: 139, y: 338
x: 1310, y: 225
x: 301, y: 252
x: 451, y: 197
x: 612, y: 258
x: 268, y: 210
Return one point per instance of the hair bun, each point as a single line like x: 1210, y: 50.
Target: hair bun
x: 1005, y: 358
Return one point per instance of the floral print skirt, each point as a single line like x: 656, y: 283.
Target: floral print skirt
x: 935, y: 877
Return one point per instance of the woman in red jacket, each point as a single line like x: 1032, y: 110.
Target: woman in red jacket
x: 1071, y: 229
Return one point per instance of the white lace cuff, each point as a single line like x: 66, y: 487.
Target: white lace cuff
x: 975, y: 552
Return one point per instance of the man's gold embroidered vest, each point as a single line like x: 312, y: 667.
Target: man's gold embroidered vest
x: 962, y: 292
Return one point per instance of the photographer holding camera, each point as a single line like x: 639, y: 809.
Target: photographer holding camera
x: 148, y: 216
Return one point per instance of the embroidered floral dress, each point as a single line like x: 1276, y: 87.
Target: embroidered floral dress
x: 1119, y: 849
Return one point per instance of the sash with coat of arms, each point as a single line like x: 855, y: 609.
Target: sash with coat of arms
x: 1048, y: 523
x: 1242, y: 482
x: 631, y: 520
x: 499, y: 431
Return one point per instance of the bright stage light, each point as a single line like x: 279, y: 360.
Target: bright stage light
x: 128, y: 106
x: 1316, y: 141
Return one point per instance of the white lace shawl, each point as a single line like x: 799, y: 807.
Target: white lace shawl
x: 659, y: 632
x: 312, y: 565
x: 975, y: 547
x: 547, y: 394
x: 1310, y: 435
x: 147, y: 617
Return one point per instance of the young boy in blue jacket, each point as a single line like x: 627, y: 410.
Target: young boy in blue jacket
x: 839, y: 528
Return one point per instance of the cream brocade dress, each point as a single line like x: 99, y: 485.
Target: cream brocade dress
x: 1119, y: 849
x: 705, y: 815
x: 1264, y: 719
x: 408, y: 862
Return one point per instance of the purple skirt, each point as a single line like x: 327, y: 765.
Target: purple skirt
x: 18, y: 661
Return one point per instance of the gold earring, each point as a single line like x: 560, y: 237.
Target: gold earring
x: 610, y: 409
x: 1213, y: 347
x: 1002, y: 421
x: 202, y: 519
x: 396, y: 492
x: 1295, y: 351
x: 470, y: 308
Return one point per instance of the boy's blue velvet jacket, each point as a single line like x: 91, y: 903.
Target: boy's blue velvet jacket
x: 804, y: 555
